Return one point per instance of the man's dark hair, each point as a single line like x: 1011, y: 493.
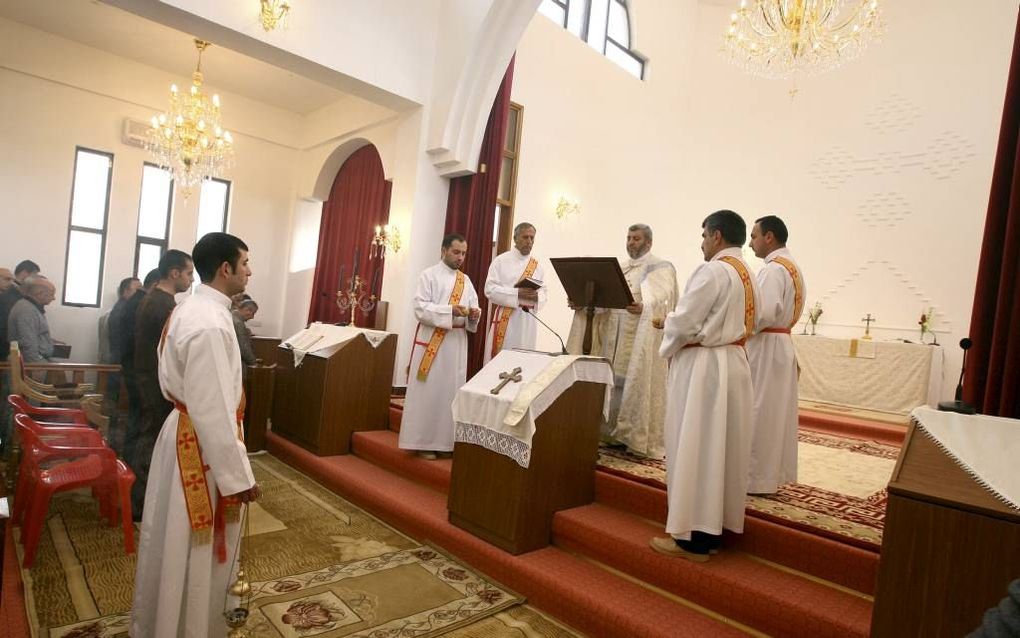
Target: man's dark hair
x: 172, y: 259
x: 774, y: 225
x: 28, y: 267
x: 452, y: 237
x: 213, y: 250
x: 151, y: 278
x: 521, y: 227
x: 730, y: 224
x: 248, y: 302
x: 125, y: 284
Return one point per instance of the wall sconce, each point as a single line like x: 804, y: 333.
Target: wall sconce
x: 273, y: 13
x: 566, y: 207
x: 386, y: 238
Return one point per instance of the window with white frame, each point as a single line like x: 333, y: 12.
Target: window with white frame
x: 603, y: 24
x: 86, y: 231
x: 213, y: 206
x: 154, y: 209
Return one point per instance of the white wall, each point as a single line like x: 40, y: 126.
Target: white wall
x: 881, y: 168
x: 65, y: 94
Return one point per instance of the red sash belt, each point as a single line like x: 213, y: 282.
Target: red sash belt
x: 777, y: 331
x: 738, y: 342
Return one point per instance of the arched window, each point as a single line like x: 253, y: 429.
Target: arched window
x: 603, y: 24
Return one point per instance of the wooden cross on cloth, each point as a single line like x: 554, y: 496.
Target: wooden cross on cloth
x: 514, y: 375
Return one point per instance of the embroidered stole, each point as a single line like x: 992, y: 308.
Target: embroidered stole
x: 745, y: 278
x: 438, y: 334
x: 798, y: 288
x: 501, y: 318
x: 206, y: 525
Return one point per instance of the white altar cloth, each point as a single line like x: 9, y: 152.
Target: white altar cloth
x: 320, y: 336
x: 505, y: 423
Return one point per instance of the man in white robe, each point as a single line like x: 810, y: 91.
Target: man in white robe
x: 185, y: 560
x: 627, y: 338
x: 773, y: 359
x: 708, y: 413
x: 510, y: 325
x: 445, y: 305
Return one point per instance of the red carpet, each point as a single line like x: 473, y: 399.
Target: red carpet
x: 13, y: 617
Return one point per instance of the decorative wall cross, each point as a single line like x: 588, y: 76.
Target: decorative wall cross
x: 867, y: 324
x: 514, y: 375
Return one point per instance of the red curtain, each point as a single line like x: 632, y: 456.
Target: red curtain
x: 358, y: 202
x: 992, y: 382
x: 471, y: 209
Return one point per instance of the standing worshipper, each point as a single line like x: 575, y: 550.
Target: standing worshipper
x: 122, y: 344
x: 27, y: 322
x: 176, y: 272
x: 708, y: 414
x: 510, y: 326
x: 630, y: 342
x: 185, y: 559
x: 10, y: 296
x: 773, y: 359
x: 445, y: 305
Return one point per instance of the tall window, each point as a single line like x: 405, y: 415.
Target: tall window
x: 153, y: 218
x: 504, y: 228
x: 86, y: 233
x: 603, y: 24
x: 212, y: 207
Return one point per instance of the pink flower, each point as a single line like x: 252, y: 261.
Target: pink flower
x: 305, y: 615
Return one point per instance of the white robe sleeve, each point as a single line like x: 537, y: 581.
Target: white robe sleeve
x: 470, y: 300
x: 496, y: 292
x: 684, y: 323
x: 426, y: 311
x: 771, y: 285
x: 212, y: 400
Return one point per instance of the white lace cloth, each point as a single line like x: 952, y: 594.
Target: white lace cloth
x: 505, y: 423
x: 884, y: 375
x: 987, y: 447
x: 320, y: 336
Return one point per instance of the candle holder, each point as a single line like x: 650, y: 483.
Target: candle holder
x: 353, y: 298
x: 236, y: 618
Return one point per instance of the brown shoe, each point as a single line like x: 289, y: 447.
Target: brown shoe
x: 668, y: 546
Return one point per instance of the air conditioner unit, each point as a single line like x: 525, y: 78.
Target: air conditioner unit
x: 135, y: 132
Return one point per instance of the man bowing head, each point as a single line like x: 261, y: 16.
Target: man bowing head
x: 708, y: 410
x: 445, y: 305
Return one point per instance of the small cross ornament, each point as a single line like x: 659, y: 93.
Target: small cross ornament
x: 514, y: 375
x: 867, y: 325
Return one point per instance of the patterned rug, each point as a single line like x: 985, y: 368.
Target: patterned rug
x: 840, y: 494
x: 319, y: 567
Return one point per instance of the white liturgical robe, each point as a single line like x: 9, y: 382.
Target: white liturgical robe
x: 427, y: 423
x: 631, y: 344
x: 505, y: 271
x: 180, y: 586
x: 708, y: 412
x: 774, y: 376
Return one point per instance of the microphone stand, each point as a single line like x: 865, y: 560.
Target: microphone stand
x: 959, y: 406
x: 563, y: 347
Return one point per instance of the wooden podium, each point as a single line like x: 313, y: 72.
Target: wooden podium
x: 512, y: 507
x: 258, y: 393
x: 949, y: 548
x: 333, y: 393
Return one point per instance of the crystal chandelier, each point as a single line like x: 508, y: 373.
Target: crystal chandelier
x: 783, y: 38
x: 187, y: 139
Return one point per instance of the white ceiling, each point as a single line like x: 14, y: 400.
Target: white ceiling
x: 124, y: 34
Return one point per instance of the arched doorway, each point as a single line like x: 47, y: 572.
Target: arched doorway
x: 359, y: 200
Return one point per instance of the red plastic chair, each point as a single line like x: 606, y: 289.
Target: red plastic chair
x: 94, y: 466
x: 65, y: 415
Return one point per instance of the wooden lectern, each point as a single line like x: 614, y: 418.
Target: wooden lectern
x: 512, y: 507
x: 258, y: 394
x: 333, y: 393
x: 590, y: 283
x: 949, y: 548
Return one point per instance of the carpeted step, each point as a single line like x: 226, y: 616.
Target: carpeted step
x: 380, y: 447
x: 575, y: 591
x: 853, y: 427
x: 396, y: 414
x: 733, y: 584
x: 824, y: 558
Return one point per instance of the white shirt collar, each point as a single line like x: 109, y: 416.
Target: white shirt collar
x: 205, y: 290
x: 733, y: 251
x: 778, y: 252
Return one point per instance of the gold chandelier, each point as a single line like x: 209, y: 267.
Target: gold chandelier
x: 187, y: 139
x: 783, y: 38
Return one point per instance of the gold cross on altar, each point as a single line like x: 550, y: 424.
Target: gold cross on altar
x: 867, y: 325
x: 514, y: 375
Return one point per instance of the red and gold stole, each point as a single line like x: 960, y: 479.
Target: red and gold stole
x: 798, y: 289
x: 438, y: 334
x: 745, y: 278
x: 206, y: 525
x: 501, y: 317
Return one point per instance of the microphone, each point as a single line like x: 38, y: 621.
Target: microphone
x: 958, y: 405
x: 563, y: 348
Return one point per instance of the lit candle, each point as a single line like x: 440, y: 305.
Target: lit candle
x: 357, y: 258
